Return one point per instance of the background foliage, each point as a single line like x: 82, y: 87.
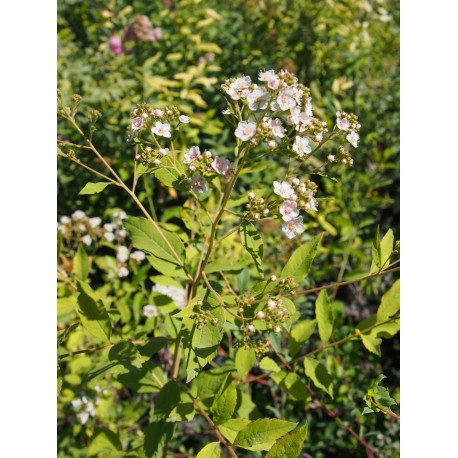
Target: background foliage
x: 348, y: 53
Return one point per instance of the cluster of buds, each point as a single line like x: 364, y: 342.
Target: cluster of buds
x: 349, y: 122
x: 83, y: 408
x: 257, y: 207
x: 275, y: 315
x: 243, y: 302
x: 288, y: 285
x: 342, y: 157
x: 250, y: 342
x: 203, y: 316
x: 149, y: 156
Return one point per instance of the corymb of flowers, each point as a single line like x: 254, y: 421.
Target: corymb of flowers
x: 274, y: 117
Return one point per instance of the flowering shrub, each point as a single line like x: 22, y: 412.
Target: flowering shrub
x: 226, y: 337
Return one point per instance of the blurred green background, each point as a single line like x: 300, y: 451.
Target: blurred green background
x: 347, y: 52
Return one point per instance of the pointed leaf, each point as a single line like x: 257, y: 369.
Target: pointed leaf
x: 290, y: 445
x: 324, y: 317
x: 390, y: 302
x: 94, y: 188
x: 252, y: 242
x: 319, y: 375
x: 244, y: 360
x: 211, y: 450
x: 300, y: 334
x: 81, y: 264
x: 158, y: 434
x: 224, y: 405
x: 301, y: 260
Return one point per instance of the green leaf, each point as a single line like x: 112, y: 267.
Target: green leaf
x: 252, y: 242
x: 81, y: 264
x: 376, y: 253
x: 209, y: 383
x: 94, y: 188
x: 381, y: 251
x: 300, y: 334
x: 211, y: 450
x: 59, y: 380
x: 148, y: 238
x: 92, y: 313
x: 224, y: 404
x: 292, y: 383
x: 290, y: 445
x: 244, y: 361
x: 261, y: 434
x: 390, y: 302
x: 102, y: 441
x: 167, y: 174
x: 319, y: 375
x: 158, y: 434
x: 372, y: 343
x: 225, y: 265
x: 268, y: 364
x: 324, y: 317
x: 173, y: 405
x: 300, y: 262
x: 231, y: 428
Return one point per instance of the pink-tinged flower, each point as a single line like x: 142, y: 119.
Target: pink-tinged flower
x: 164, y: 151
x: 192, y: 154
x: 342, y: 123
x: 158, y: 113
x: 245, y: 130
x: 123, y: 272
x: 258, y: 99
x: 353, y: 138
x: 318, y: 137
x: 286, y: 99
x: 220, y: 165
x: 283, y: 189
x: 198, y: 184
x: 239, y: 87
x: 115, y: 45
x: 293, y: 227
x: 289, y: 210
x: 163, y: 130
x: 277, y: 129
x: 157, y: 33
x: 137, y: 123
x: 271, y: 78
x: 227, y: 111
x: 301, y: 146
x: 184, y: 119
x: 308, y: 107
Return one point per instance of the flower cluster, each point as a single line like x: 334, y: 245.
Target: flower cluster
x: 257, y: 206
x: 175, y: 293
x: 203, y: 316
x: 84, y: 408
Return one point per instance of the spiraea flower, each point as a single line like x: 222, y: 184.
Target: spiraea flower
x: 286, y: 99
x: 283, y: 189
x: 95, y: 222
x: 301, y: 146
x: 77, y: 215
x: 161, y: 129
x: 289, y: 210
x: 123, y: 272
x: 86, y: 239
x: 271, y: 78
x: 138, y: 255
x: 122, y: 254
x: 239, y: 88
x: 353, y: 138
x: 342, y: 122
x: 84, y: 409
x: 220, y: 165
x: 184, y: 119
x: 150, y: 311
x: 137, y: 123
x: 175, y: 293
x: 198, y: 184
x: 245, y: 130
x: 277, y: 128
x: 293, y: 227
x: 258, y: 99
x: 191, y: 155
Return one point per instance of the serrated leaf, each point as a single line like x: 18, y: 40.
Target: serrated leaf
x: 81, y: 264
x: 390, y: 303
x: 324, y: 317
x: 319, y: 375
x: 94, y: 188
x: 211, y: 450
x: 92, y: 313
x: 224, y: 404
x: 300, y: 334
x: 290, y: 445
x: 244, y: 361
x: 261, y: 434
x: 252, y: 242
x: 300, y: 262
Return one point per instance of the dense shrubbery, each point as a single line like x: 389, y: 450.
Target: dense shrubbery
x: 136, y: 393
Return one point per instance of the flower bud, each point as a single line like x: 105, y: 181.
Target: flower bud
x: 273, y: 277
x: 251, y: 328
x: 260, y: 315
x: 157, y: 162
x: 277, y: 329
x: 295, y: 181
x: 200, y: 303
x: 265, y: 212
x: 251, y: 195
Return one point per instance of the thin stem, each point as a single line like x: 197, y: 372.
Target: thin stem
x: 149, y: 198
x: 386, y: 412
x: 134, y: 182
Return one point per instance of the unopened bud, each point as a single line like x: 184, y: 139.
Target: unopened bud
x: 251, y: 328
x: 260, y: 315
x: 295, y: 181
x: 157, y: 162
x: 265, y: 212
x: 251, y: 195
x: 273, y: 277
x: 277, y: 329
x: 200, y: 303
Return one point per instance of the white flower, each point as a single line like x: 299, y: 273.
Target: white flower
x: 293, y: 227
x: 122, y: 233
x: 77, y: 215
x: 258, y: 99
x: 109, y: 236
x: 86, y: 239
x: 158, y: 113
x: 120, y: 214
x: 245, y: 130
x: 308, y: 107
x: 83, y: 417
x: 137, y: 123
x: 271, y: 78
x: 122, y: 254
x: 251, y: 328
x: 301, y: 146
x: 138, y: 255
x: 239, y: 87
x: 318, y: 137
x: 283, y: 189
x: 342, y: 123
x: 277, y: 329
x: 198, y: 184
x: 175, y: 293
x: 353, y: 138
x: 163, y: 130
x: 331, y: 158
x: 184, y: 119
x: 65, y: 220
x: 277, y: 129
x: 164, y: 151
x: 260, y: 315
x: 109, y: 227
x: 77, y: 403
x: 226, y: 111
x: 150, y: 311
x: 220, y: 165
x: 289, y: 210
x: 95, y: 222
x: 286, y: 99
x: 123, y: 272
x: 191, y: 155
